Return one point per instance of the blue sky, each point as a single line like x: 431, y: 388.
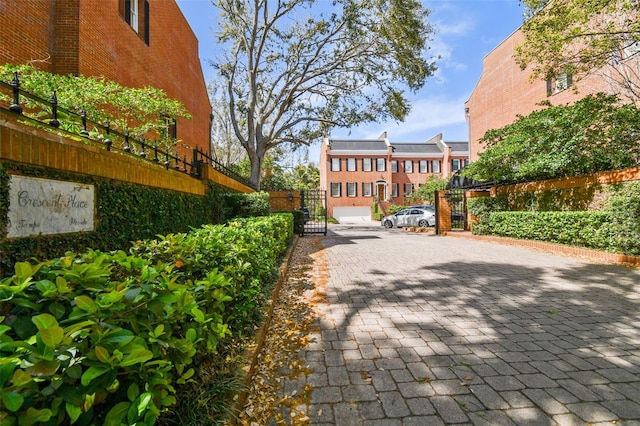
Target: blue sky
x: 466, y: 30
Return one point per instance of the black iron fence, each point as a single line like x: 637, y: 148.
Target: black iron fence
x: 48, y: 112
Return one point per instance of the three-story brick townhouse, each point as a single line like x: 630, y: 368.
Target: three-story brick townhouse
x: 135, y: 43
x: 358, y: 173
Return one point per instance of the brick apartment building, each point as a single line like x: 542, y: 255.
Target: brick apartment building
x: 357, y: 173
x: 136, y: 43
x: 505, y: 91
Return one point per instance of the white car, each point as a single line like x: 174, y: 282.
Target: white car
x: 410, y: 217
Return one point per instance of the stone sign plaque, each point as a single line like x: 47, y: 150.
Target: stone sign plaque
x: 47, y: 207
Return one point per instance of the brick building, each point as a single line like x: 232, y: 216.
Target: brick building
x: 358, y: 173
x: 505, y: 91
x: 136, y: 43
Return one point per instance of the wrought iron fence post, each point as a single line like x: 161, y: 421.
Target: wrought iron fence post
x: 54, y: 111
x: 15, y: 83
x: 83, y: 115
x: 107, y: 141
x: 155, y: 153
x: 143, y: 153
x: 127, y: 147
x: 166, y: 160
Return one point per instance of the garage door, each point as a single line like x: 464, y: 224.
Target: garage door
x: 352, y: 214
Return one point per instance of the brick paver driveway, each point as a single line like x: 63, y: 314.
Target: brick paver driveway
x: 419, y: 329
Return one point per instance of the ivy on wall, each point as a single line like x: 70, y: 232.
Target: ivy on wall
x: 124, y: 213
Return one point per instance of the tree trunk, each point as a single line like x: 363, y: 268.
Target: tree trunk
x: 256, y: 169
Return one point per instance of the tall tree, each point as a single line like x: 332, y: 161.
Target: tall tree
x: 583, y: 37
x: 296, y: 68
x: 225, y: 148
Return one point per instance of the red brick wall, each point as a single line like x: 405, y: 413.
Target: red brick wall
x: 505, y: 91
x: 91, y: 37
x: 26, y: 32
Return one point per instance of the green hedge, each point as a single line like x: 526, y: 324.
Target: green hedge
x: 108, y: 338
x: 615, y: 228
x: 583, y: 229
x: 124, y: 213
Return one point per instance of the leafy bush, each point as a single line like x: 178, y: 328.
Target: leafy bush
x: 106, y: 338
x: 624, y: 208
x: 481, y: 208
x: 596, y: 133
x: 583, y: 229
x: 246, y: 205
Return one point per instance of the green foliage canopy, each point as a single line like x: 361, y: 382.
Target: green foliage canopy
x: 595, y: 134
x: 294, y: 69
x: 140, y: 110
x: 583, y: 37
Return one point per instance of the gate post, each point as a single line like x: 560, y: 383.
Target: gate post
x: 443, y: 212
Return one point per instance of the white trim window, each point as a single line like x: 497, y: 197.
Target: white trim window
x: 351, y: 164
x: 456, y: 164
x: 394, y: 166
x: 408, y: 189
x: 423, y: 166
x: 134, y: 14
x: 367, y: 189
x: 336, y: 189
x: 395, y: 189
x: 435, y: 166
x: 352, y: 189
x: 408, y: 166
x: 335, y: 164
x: 366, y: 165
x: 381, y: 164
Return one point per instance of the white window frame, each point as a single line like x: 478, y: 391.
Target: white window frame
x: 435, y: 166
x: 366, y: 165
x: 351, y: 165
x: 352, y: 189
x: 134, y: 13
x: 395, y: 189
x: 367, y: 189
x: 408, y: 166
x: 423, y: 166
x: 408, y: 189
x: 394, y: 166
x: 335, y: 164
x: 381, y: 164
x: 456, y: 164
x: 336, y: 189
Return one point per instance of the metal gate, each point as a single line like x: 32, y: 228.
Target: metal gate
x: 458, y: 203
x: 313, y: 202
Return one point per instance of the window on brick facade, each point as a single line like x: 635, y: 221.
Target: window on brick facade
x: 351, y: 164
x: 435, y: 166
x: 367, y: 189
x: 171, y: 127
x: 455, y: 165
x: 352, y: 189
x: 408, y: 166
x: 394, y: 166
x: 423, y: 166
x: 336, y: 189
x: 395, y: 189
x: 558, y: 83
x: 408, y: 189
x: 136, y: 14
x: 335, y: 164
x: 466, y: 162
x: 366, y: 164
x: 381, y: 164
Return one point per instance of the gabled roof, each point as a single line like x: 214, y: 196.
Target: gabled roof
x: 459, y: 146
x: 358, y: 145
x: 416, y: 148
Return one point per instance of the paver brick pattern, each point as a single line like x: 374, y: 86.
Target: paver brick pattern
x: 418, y: 329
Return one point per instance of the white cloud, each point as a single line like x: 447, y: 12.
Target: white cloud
x: 428, y: 117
